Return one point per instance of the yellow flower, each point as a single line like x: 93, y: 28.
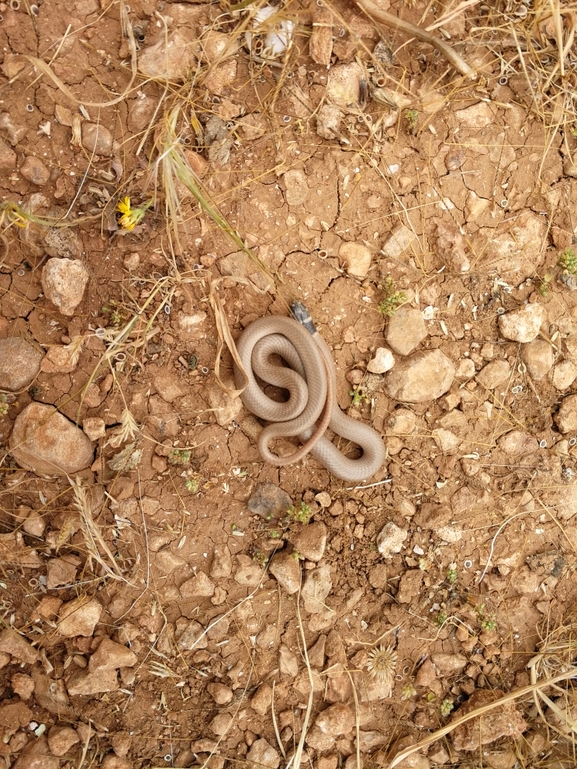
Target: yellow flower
x: 130, y: 217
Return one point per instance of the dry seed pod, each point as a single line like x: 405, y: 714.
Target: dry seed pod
x: 321, y: 42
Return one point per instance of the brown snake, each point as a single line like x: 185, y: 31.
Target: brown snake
x: 311, y: 383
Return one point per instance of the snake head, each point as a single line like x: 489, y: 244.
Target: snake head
x: 300, y: 313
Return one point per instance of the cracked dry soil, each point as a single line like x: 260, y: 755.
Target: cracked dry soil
x: 161, y: 644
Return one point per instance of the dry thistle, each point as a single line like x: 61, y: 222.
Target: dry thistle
x: 382, y: 663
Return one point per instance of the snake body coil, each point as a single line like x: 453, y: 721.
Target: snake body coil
x: 311, y: 383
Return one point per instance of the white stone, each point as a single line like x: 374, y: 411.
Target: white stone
x: 522, y: 325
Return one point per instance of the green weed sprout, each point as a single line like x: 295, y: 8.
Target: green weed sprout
x: 393, y: 298
x: 301, y: 514
x: 567, y: 260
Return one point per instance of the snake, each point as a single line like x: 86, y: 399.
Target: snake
x: 310, y: 378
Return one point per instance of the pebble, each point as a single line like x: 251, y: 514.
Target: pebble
x: 402, y: 422
x: 500, y: 759
x: 225, y: 408
x: 169, y: 385
x: 220, y: 693
x: 60, y: 571
x: 477, y: 116
x: 390, y: 539
x: 564, y: 374
x: 336, y: 720
x: 446, y: 440
x: 63, y: 242
x: 248, y: 573
x: 311, y: 541
x: 79, y: 617
x: 296, y: 187
x: 399, y: 241
x: 262, y: 753
x: 522, y: 325
x: 356, y: 259
x: 8, y: 158
x: 566, y: 417
x: 94, y: 428
x: 465, y: 369
x: 369, y: 741
x: 63, y: 282
x: 316, y: 587
x: 47, y: 443
x: 318, y: 740
x: 518, y: 442
x: 262, y: 699
x: 504, y: 721
x: 35, y: 171
x: 538, y: 357
x: 343, y: 84
x: 449, y: 664
x: 19, y: 363
x: 17, y: 646
x: 494, y: 374
x: 323, y: 498
x: 426, y: 674
x: 406, y: 330
x: 50, y: 693
x: 61, y: 739
x: 59, y: 360
x: 288, y: 662
x: 220, y: 76
x: 166, y: 561
x: 115, y: 762
x: 22, y: 685
x: 111, y: 656
x: 287, y: 571
x: 410, y: 586
x: 199, y: 586
x: 269, y: 501
x: 190, y: 635
x: 221, y: 566
x: 85, y: 682
x: 216, y: 45
x: 382, y: 361
x: 36, y: 755
x: 97, y: 139
x: 422, y: 377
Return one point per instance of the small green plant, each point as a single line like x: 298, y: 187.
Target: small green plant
x: 567, y: 260
x: 359, y: 396
x: 408, y: 691
x: 301, y: 514
x: 411, y: 116
x: 179, y: 457
x: 486, y: 621
x: 116, y: 317
x: 452, y: 575
x: 441, y: 618
x: 192, y: 484
x: 260, y: 558
x: 430, y: 696
x: 544, y: 285
x: 296, y: 556
x: 447, y: 706
x: 275, y: 534
x: 4, y: 406
x: 393, y: 298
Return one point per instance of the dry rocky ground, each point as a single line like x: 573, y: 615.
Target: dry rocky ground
x: 167, y: 598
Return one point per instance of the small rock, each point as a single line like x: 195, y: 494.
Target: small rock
x: 220, y: 693
x: 343, y: 84
x: 8, y: 158
x: 121, y: 743
x: 216, y: 45
x: 337, y: 720
x: 402, y: 422
x: 522, y: 325
x: 503, y: 721
x: 49, y: 693
x: 316, y: 587
x: 399, y: 241
x: 225, y: 408
x: 200, y: 586
x: 500, y: 759
x: 63, y: 242
x: 64, y: 281
x: 311, y: 541
x: 422, y: 377
x: 132, y: 261
x: 318, y: 740
x: 22, y: 685
x: 465, y: 369
x: 323, y: 498
x: 446, y: 440
x: 61, y: 739
x: 116, y: 762
x: 44, y: 441
x: 94, y: 428
x: 410, y: 586
x: 262, y: 699
x: 329, y: 119
x: 406, y: 330
x: 97, y: 139
x: 85, y: 683
x: 190, y: 635
x: 477, y: 116
x: 564, y: 374
x: 390, y: 539
x: 566, y: 417
x: 426, y: 674
x: 269, y: 501
x: 369, y: 741
x: 17, y: 646
x: 19, y: 363
x: 79, y: 617
x: 111, y: 656
x: 382, y: 361
x: 288, y: 662
x: 494, y: 374
x: 261, y: 753
x: 218, y: 77
x: 35, y: 171
x: 221, y: 566
x: 356, y: 259
x: 296, y: 187
x: 518, y: 442
x: 36, y: 755
x: 287, y: 571
x: 378, y: 576
x: 249, y: 573
x: 166, y: 561
x: 60, y: 571
x: 449, y: 664
x: 59, y: 360
x: 169, y: 385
